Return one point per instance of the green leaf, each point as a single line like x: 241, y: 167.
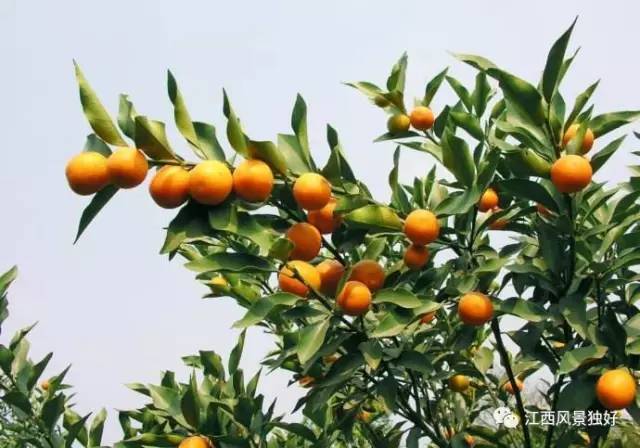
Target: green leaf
x: 372, y: 353
x: 52, y: 411
x: 289, y: 147
x: 96, y: 429
x: 461, y: 91
x: 95, y: 144
x: 298, y: 429
x: 396, y: 80
x: 311, y: 339
x: 95, y: 112
x: 190, y: 407
x: 169, y: 400
x: 469, y: 123
x: 299, y: 126
x: 605, y: 123
x: 400, y: 297
x: 126, y: 117
x: 522, y: 98
x: 263, y: 307
x: 481, y: 94
x: 180, y: 112
x: 235, y: 135
x: 231, y: 262
x: 458, y: 203
x: 555, y: 59
x: 236, y: 354
x: 17, y: 399
x: 527, y: 189
x: 524, y: 309
x: 433, y: 86
x: 571, y: 360
x: 151, y: 138
x: 457, y: 158
x: 208, y: 142
x: 483, y: 359
x: 6, y: 279
x: 414, y: 360
x: 479, y: 62
x: 578, y: 394
x: 399, y: 198
x: 337, y: 169
x: 581, y: 101
x: 98, y: 201
x: 268, y: 152
x: 374, y: 217
x: 393, y: 322
x: 601, y: 157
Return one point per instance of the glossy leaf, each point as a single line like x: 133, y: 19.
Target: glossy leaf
x: 97, y: 203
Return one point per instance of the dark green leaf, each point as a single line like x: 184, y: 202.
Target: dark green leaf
x: 98, y: 201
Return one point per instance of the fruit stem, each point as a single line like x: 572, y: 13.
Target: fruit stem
x: 495, y: 327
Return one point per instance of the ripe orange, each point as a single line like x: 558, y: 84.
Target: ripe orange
x: 210, y: 182
x: 87, y: 173
x: 459, y: 383
x: 364, y: 416
x: 128, y: 167
x: 488, y: 200
x: 499, y: 223
x: 312, y: 191
x: 253, y: 180
x: 368, y: 272
x: 306, y: 241
x: 421, y: 227
x: 196, y: 442
x: 416, y: 256
x: 422, y: 118
x: 288, y: 278
x: 475, y: 308
x: 398, y: 123
x: 324, y: 219
x: 45, y: 385
x: 354, y: 299
x: 169, y: 188
x: 306, y: 381
x: 509, y: 388
x: 427, y: 318
x: 587, y: 140
x: 616, y: 389
x: 571, y: 173
x: 331, y: 272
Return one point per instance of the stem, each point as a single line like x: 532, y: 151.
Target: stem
x: 495, y: 326
x: 556, y: 394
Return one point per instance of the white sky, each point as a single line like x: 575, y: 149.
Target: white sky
x: 113, y: 307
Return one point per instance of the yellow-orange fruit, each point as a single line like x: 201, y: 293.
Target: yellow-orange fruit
x: 306, y: 381
x: 398, y: 123
x: 416, y: 256
x: 312, y: 191
x: 45, y: 385
x: 364, y: 416
x: 196, y: 442
x: 571, y: 173
x: 421, y: 227
x: 427, y: 318
x: 331, y: 272
x: 169, y: 188
x: 128, y: 167
x: 422, y: 118
x: 509, y: 388
x: 253, y: 180
x: 368, y: 272
x: 87, y: 173
x: 475, y: 308
x: 210, y: 182
x: 354, y: 299
x: 587, y: 140
x: 498, y: 224
x: 289, y: 276
x: 324, y: 219
x: 459, y: 383
x: 470, y: 440
x: 488, y: 200
x: 306, y: 240
x: 616, y: 389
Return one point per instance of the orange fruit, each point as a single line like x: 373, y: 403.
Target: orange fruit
x: 288, y: 278
x: 312, y: 191
x: 470, y: 440
x: 87, y: 173
x: 422, y: 118
x: 488, y: 200
x: 324, y: 219
x: 45, y: 385
x: 421, y: 227
x: 498, y: 224
x: 509, y: 388
x: 364, y: 416
x: 128, y: 167
x: 616, y: 389
x: 427, y: 318
x: 416, y: 256
x: 306, y: 381
x: 398, y: 123
x: 169, y: 188
x: 571, y: 173
x: 354, y: 299
x: 253, y: 180
x: 475, y: 308
x: 587, y: 140
x: 306, y: 240
x: 368, y: 272
x: 331, y: 272
x: 196, y: 442
x: 459, y: 383
x: 210, y: 182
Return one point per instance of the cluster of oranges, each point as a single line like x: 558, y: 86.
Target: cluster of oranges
x: 421, y: 118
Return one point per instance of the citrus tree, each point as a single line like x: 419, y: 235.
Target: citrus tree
x: 399, y: 309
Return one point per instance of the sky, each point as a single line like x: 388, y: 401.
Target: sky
x: 110, y: 305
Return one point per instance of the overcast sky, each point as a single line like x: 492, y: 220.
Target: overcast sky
x: 112, y: 306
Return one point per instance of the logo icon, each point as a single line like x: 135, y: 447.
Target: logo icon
x: 504, y: 416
